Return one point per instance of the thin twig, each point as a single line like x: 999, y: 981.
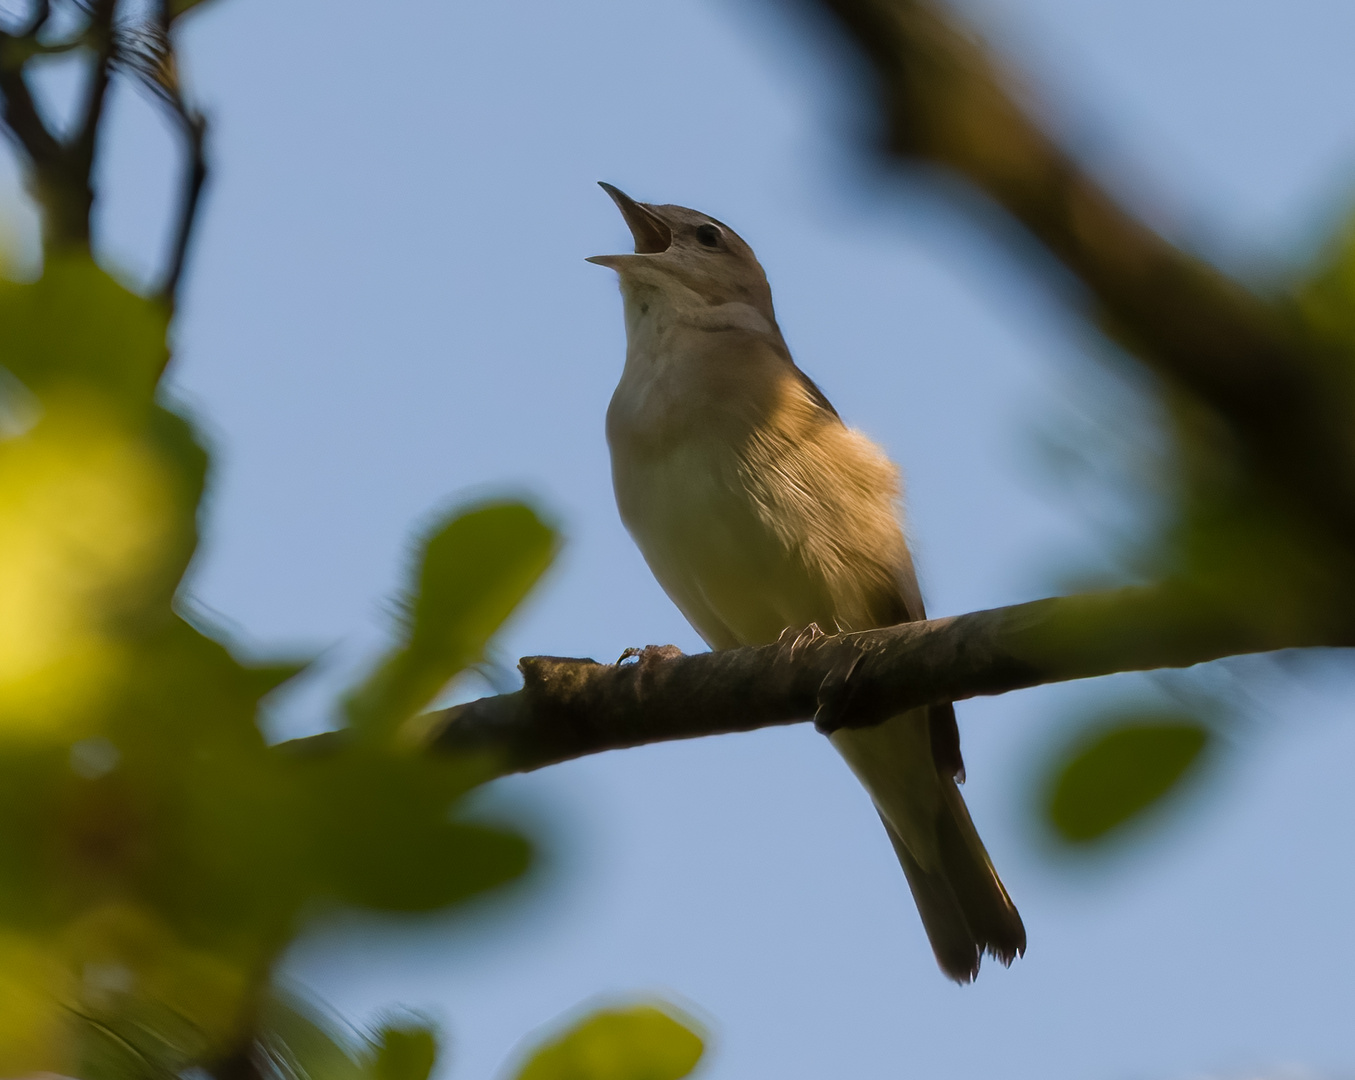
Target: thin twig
x: 194, y: 126
x: 147, y: 52
x: 82, y: 147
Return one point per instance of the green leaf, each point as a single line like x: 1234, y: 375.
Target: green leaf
x: 639, y: 1043
x: 474, y: 569
x: 1113, y: 776
x: 383, y: 834
x: 404, y: 1053
x: 305, y: 1043
x: 76, y: 324
x: 1326, y: 300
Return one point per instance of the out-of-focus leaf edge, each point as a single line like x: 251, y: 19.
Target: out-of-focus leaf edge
x: 181, y: 7
x: 603, y: 1045
x: 1107, y: 779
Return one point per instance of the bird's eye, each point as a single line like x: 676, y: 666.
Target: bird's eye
x: 708, y: 235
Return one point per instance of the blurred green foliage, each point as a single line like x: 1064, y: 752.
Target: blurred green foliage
x: 1206, y: 523
x: 1325, y: 299
x: 301, y: 1042
x: 476, y: 569
x: 638, y: 1043
x: 156, y: 854
x: 1116, y: 769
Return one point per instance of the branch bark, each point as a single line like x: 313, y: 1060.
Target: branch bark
x: 570, y: 708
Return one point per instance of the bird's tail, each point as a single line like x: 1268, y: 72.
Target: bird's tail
x: 964, y: 907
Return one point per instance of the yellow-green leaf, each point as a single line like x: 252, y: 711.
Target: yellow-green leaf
x: 76, y: 325
x: 474, y: 570
x: 1106, y: 780
x: 383, y: 837
x: 639, y: 1043
x: 404, y: 1053
x: 305, y: 1042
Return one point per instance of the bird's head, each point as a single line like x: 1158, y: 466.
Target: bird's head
x: 678, y: 249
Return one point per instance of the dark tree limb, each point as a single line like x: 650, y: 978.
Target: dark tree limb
x: 570, y: 708
x: 1288, y: 404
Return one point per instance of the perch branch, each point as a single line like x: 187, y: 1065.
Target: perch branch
x: 570, y: 708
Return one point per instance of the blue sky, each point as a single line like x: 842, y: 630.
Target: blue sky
x: 387, y: 310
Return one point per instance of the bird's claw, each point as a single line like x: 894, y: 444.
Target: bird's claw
x: 649, y: 654
x: 797, y: 638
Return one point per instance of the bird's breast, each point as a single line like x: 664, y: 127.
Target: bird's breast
x: 683, y: 430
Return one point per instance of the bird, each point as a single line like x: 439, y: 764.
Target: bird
x: 761, y: 513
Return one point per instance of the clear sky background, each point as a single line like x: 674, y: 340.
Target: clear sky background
x: 387, y: 309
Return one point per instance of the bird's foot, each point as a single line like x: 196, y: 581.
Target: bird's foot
x: 835, y: 695
x: 796, y: 638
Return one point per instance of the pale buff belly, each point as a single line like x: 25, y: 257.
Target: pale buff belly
x: 710, y: 545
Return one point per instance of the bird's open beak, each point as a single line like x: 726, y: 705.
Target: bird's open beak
x: 652, y: 234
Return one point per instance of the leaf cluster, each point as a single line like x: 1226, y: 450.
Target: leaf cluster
x: 156, y: 854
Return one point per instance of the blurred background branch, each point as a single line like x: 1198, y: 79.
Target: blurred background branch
x: 1284, y: 398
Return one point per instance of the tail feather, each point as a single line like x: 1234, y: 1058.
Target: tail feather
x: 909, y: 763
x: 957, y: 951
x: 988, y: 909
x: 964, y: 907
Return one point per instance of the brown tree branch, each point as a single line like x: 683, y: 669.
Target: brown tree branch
x: 570, y: 708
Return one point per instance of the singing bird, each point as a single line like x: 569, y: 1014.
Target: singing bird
x: 759, y: 511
